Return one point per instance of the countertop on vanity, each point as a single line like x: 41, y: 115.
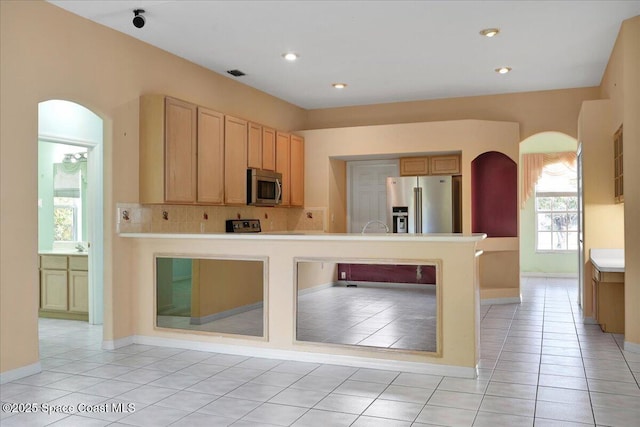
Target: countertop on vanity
x: 608, y: 260
x: 61, y: 252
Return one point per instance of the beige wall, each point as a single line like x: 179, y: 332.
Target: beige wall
x: 61, y: 56
x: 597, y: 162
x: 312, y: 274
x: 221, y: 284
x: 536, y: 112
x: 621, y: 84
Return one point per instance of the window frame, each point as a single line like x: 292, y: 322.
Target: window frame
x: 541, y: 194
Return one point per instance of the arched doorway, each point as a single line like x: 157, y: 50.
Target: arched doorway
x: 66, y: 130
x: 549, y: 226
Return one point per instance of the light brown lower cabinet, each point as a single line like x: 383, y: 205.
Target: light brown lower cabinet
x: 608, y: 300
x: 64, y: 287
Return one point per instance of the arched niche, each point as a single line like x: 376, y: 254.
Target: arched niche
x: 494, y: 195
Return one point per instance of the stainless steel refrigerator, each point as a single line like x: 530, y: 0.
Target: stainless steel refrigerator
x: 420, y: 204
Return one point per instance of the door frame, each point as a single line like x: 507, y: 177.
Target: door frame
x: 95, y: 229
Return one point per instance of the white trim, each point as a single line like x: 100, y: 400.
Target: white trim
x: 18, y: 373
x: 303, y: 356
x: 549, y: 275
x: 496, y: 301
x: 631, y: 346
x: 221, y: 315
x: 317, y: 288
x: 589, y: 321
x: 119, y: 343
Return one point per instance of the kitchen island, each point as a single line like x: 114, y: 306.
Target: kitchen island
x: 453, y: 255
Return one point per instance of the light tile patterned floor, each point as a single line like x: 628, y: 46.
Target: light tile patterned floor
x: 540, y: 366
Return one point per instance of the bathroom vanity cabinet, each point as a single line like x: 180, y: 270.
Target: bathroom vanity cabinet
x: 64, y: 286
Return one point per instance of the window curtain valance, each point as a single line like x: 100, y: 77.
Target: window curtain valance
x: 532, y: 165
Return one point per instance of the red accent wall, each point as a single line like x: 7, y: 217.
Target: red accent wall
x: 494, y: 195
x: 388, y: 273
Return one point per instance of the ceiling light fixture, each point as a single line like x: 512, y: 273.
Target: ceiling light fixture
x: 290, y: 56
x: 490, y: 32
x: 503, y: 70
x: 339, y: 85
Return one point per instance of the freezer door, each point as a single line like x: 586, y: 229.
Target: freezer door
x: 400, y: 192
x: 437, y: 204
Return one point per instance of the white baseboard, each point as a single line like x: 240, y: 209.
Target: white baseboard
x: 549, y: 275
x: 317, y: 288
x: 216, y: 316
x: 632, y: 347
x: 497, y: 301
x: 120, y: 342
x: 304, y: 356
x: 385, y: 285
x: 24, y: 371
x: 589, y: 321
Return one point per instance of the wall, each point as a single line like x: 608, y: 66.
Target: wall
x: 535, y: 111
x: 62, y: 56
x: 314, y: 274
x: 530, y: 260
x: 621, y: 84
x: 221, y: 284
x: 594, y: 134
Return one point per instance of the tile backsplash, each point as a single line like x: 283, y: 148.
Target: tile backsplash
x: 136, y: 218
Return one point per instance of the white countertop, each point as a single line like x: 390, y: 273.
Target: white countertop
x: 61, y: 252
x: 317, y: 236
x: 608, y: 260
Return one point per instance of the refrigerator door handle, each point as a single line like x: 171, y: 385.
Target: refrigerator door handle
x: 417, y: 199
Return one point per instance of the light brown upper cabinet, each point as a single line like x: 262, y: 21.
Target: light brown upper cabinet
x: 444, y: 165
x: 254, y: 148
x: 414, y: 166
x: 283, y: 164
x: 167, y: 150
x: 235, y: 161
x: 430, y: 165
x: 297, y: 171
x: 268, y: 149
x: 618, y: 174
x: 210, y: 157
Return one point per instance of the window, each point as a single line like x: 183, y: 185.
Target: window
x: 66, y: 221
x: 556, y: 203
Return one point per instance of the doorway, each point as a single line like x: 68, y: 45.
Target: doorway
x: 367, y: 193
x: 76, y: 134
x: 549, y: 209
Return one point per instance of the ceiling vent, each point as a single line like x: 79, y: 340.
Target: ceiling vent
x: 236, y: 73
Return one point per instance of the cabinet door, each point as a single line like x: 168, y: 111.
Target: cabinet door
x: 180, y: 151
x: 410, y: 166
x: 254, y: 146
x: 283, y: 164
x: 53, y: 290
x: 445, y: 165
x: 268, y: 149
x: 210, y: 156
x: 235, y: 161
x: 297, y: 171
x: 79, y: 291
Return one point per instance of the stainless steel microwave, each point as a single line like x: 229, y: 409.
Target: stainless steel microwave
x: 264, y: 188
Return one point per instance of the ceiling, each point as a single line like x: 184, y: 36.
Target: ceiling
x: 386, y: 51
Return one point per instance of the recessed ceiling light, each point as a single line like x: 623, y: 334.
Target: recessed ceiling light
x: 503, y: 70
x: 339, y: 85
x: 290, y: 56
x: 490, y: 32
